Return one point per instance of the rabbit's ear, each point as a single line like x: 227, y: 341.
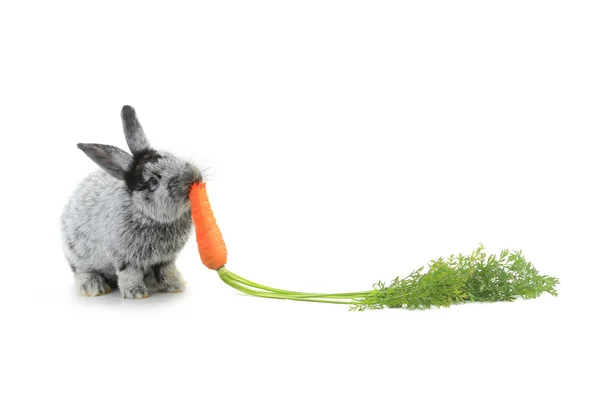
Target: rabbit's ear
x: 134, y: 134
x: 112, y: 160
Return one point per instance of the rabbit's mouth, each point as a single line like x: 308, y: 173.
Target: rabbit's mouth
x: 191, y: 176
x: 188, y: 184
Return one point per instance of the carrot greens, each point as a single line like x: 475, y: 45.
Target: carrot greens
x: 457, y: 279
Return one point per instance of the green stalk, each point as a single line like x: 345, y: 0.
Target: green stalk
x: 454, y: 280
x: 239, y: 279
x: 278, y: 295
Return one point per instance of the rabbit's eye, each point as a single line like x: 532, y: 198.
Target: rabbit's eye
x: 153, y: 180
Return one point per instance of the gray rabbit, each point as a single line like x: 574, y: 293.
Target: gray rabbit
x: 125, y: 224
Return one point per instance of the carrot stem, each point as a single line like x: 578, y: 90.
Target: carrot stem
x: 273, y: 295
x: 247, y: 282
x: 252, y: 288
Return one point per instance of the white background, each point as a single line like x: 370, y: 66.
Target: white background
x: 347, y: 142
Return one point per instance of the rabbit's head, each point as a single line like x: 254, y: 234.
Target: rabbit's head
x: 157, y: 181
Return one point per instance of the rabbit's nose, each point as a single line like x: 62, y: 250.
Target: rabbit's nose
x: 197, y: 176
x: 192, y: 175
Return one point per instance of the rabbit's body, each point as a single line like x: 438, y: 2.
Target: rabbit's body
x: 130, y: 220
x: 102, y: 203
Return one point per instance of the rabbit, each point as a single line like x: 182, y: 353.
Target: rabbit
x: 125, y: 224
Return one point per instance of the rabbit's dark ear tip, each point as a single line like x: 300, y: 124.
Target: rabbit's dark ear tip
x: 84, y: 147
x: 128, y: 110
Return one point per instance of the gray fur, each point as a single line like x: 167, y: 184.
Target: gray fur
x: 134, y: 134
x: 112, y: 160
x: 91, y: 284
x: 120, y: 228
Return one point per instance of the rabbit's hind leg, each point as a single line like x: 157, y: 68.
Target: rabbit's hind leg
x: 91, y: 284
x: 168, y: 278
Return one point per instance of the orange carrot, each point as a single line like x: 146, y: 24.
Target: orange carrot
x: 407, y: 292
x: 211, y: 245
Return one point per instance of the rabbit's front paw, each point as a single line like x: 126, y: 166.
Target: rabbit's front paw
x: 136, y: 292
x: 91, y: 284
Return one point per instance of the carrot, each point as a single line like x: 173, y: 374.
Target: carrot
x: 211, y: 245
x: 458, y: 279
